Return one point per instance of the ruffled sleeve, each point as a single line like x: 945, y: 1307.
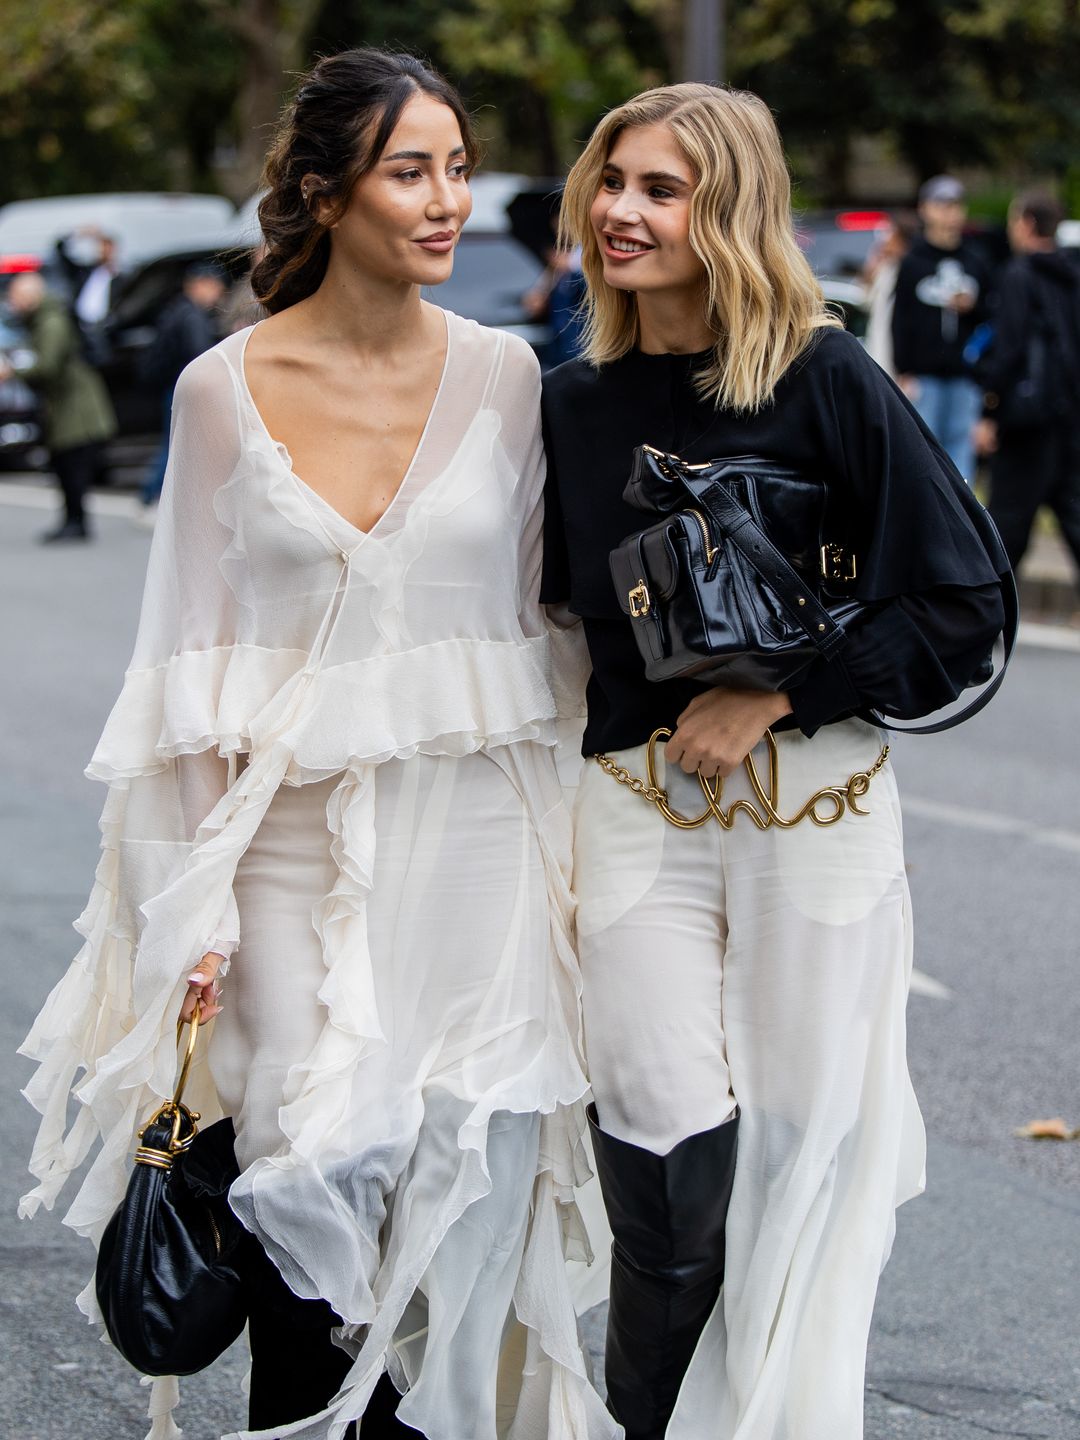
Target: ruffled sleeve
x: 162, y: 792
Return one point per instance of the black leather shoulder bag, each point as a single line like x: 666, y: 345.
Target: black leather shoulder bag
x: 746, y: 579
x: 171, y: 1263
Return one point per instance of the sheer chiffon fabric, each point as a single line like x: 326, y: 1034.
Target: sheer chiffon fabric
x: 352, y: 735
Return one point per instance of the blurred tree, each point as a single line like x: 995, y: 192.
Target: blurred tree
x: 271, y: 37
x: 149, y: 93
x: 948, y: 81
x: 548, y: 68
x: 73, y: 99
x: 815, y: 67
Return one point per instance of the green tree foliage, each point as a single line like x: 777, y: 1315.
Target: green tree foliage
x: 537, y: 72
x: 949, y: 82
x: 104, y: 96
x: 548, y: 68
x: 151, y: 93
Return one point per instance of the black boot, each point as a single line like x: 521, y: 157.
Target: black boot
x: 295, y: 1366
x: 667, y: 1214
x: 67, y: 530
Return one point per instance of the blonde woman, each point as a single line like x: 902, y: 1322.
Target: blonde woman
x: 744, y: 987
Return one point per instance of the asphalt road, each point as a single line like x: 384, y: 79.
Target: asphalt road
x: 976, y: 1331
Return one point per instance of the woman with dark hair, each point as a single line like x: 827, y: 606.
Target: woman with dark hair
x: 333, y: 756
x: 745, y: 969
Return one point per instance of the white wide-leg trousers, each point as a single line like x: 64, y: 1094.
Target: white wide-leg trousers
x: 767, y: 969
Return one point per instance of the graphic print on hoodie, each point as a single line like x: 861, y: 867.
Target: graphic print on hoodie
x: 928, y: 335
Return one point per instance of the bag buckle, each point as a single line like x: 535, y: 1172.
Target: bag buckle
x: 639, y: 601
x: 836, y: 562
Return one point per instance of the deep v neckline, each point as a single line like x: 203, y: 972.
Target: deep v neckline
x: 308, y: 492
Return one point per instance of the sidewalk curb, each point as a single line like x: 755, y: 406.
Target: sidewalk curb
x: 1049, y: 633
x: 1045, y: 635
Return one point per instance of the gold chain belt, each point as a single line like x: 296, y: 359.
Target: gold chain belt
x: 841, y: 798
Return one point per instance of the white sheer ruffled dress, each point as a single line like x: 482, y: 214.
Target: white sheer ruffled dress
x: 336, y: 749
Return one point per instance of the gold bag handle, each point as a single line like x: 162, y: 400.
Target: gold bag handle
x: 182, y: 1135
x: 193, y: 1037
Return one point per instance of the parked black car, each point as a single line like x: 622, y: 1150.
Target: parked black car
x: 131, y: 328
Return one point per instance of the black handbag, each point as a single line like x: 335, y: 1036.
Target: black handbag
x: 170, y: 1267
x: 747, y: 579
x: 737, y: 584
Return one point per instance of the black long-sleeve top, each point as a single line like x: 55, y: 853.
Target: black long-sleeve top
x: 930, y: 567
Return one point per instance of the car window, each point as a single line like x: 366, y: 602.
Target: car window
x: 491, y: 274
x: 832, y: 251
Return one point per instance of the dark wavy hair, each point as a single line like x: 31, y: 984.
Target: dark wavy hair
x: 335, y: 129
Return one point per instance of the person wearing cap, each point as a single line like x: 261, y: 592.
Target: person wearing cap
x: 941, y: 295
x: 188, y: 326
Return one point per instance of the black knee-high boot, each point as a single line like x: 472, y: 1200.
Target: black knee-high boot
x: 667, y: 1214
x: 295, y: 1366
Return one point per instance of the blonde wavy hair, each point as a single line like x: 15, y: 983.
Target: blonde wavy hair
x: 760, y: 296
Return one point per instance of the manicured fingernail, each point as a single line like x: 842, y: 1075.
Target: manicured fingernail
x: 198, y: 978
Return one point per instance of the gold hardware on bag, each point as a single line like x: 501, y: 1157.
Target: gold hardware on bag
x: 710, y: 548
x: 836, y: 562
x: 174, y: 1109
x: 841, y: 798
x: 639, y: 601
x: 664, y: 455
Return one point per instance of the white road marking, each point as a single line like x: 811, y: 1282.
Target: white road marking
x: 43, y: 495
x: 926, y: 985
x: 995, y: 824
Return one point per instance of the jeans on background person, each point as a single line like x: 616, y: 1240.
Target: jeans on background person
x: 155, y: 478
x: 950, y: 406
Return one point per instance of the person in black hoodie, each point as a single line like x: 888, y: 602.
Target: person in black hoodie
x: 941, y: 295
x: 1031, y: 408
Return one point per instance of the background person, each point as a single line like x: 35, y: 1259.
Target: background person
x: 78, y: 415
x: 188, y: 327
x: 879, y: 277
x: 91, y: 259
x: 1031, y: 410
x: 942, y: 288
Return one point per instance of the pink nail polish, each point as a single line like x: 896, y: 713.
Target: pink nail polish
x: 198, y: 978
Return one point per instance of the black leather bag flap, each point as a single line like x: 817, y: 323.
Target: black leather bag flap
x: 649, y: 559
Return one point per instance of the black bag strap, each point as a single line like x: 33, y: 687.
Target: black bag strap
x: 1011, y: 601
x: 737, y: 525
